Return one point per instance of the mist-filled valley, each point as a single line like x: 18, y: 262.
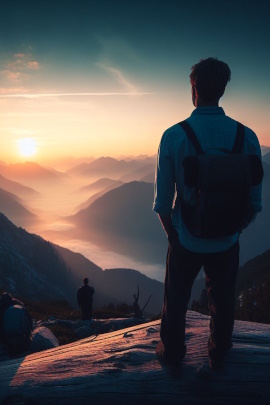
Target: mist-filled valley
x: 52, y: 203
x: 102, y: 209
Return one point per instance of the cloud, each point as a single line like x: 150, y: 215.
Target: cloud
x: 33, y: 65
x: 120, y: 77
x: 19, y: 67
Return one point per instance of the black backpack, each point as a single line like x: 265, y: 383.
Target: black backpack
x: 220, y: 183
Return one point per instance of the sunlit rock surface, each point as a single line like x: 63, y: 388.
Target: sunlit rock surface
x: 121, y: 368
x: 42, y: 339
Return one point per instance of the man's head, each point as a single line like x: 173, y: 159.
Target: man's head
x: 85, y: 281
x: 208, y: 79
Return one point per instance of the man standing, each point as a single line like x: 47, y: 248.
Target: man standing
x: 85, y: 300
x: 189, y: 251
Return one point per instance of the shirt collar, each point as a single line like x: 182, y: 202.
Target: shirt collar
x: 208, y: 110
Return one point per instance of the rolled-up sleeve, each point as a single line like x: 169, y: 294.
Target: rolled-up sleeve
x: 164, y: 180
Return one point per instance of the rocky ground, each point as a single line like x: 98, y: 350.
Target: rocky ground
x: 121, y: 367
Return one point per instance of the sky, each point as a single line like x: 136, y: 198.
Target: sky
x: 87, y: 78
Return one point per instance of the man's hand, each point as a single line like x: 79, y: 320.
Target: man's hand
x: 170, y: 230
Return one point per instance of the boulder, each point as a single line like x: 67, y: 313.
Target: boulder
x: 42, y: 339
x: 84, y: 332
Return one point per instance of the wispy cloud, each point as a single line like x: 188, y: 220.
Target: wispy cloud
x: 120, y: 78
x: 40, y: 95
x: 15, y: 90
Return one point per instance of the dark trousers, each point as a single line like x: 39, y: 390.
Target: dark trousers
x: 87, y: 312
x: 182, y: 268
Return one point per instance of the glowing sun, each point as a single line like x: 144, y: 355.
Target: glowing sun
x: 27, y: 147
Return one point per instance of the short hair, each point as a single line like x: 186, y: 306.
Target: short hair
x: 210, y: 77
x: 85, y: 280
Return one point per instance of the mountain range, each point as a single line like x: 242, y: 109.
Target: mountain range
x: 39, y: 270
x: 122, y: 220
x: 138, y: 173
x: 114, y: 184
x: 265, y: 149
x: 266, y: 158
x: 255, y: 239
x: 12, y: 206
x: 98, y: 185
x: 254, y: 273
x: 109, y: 167
x: 31, y: 174
x: 17, y: 188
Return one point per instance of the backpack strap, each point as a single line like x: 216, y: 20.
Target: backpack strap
x: 239, y: 139
x: 191, y: 136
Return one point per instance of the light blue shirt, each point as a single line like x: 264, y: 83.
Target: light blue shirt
x: 213, y: 130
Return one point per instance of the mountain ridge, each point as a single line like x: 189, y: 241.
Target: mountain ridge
x: 38, y: 269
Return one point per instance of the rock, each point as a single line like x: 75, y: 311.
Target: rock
x: 84, y: 332
x: 121, y: 368
x: 74, y: 324
x: 42, y: 339
x: 52, y: 318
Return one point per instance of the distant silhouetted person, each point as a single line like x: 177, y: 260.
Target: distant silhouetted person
x: 207, y: 190
x: 85, y: 300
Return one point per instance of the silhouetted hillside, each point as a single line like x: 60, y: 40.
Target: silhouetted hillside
x: 30, y: 266
x: 254, y: 273
x: 17, y: 188
x: 122, y: 220
x: 255, y: 239
x: 265, y: 149
x: 104, y: 167
x: 39, y: 270
x: 117, y: 284
x: 252, y: 291
x: 266, y: 158
x: 12, y: 206
x: 137, y: 174
x: 29, y: 170
x: 99, y: 185
x: 99, y: 194
x: 124, y: 283
x: 149, y: 178
x: 108, y: 167
x: 33, y: 175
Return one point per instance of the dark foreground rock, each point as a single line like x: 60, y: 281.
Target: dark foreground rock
x: 42, y: 339
x: 121, y: 368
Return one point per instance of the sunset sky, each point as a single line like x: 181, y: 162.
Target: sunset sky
x: 92, y: 78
